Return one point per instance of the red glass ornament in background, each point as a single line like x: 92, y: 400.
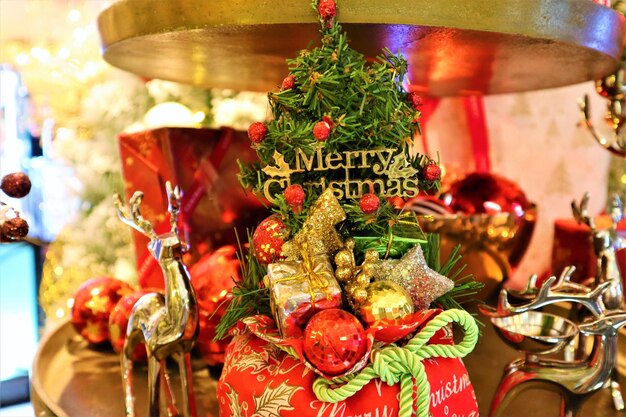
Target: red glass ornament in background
x: 212, y: 279
x: 268, y: 240
x: 486, y: 193
x: 93, y: 303
x: 16, y: 185
x: 334, y: 341
x: 118, y: 321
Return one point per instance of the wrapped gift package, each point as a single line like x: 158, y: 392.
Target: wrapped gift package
x: 203, y: 163
x: 259, y: 379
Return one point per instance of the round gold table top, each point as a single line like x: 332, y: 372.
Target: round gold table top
x: 453, y: 47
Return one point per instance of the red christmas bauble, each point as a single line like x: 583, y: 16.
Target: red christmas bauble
x: 334, y: 341
x: 268, y: 239
x: 415, y: 100
x: 487, y: 193
x: 118, y: 321
x: 294, y: 196
x: 257, y: 132
x: 13, y: 229
x: 327, y: 9
x: 16, y: 185
x: 432, y: 172
x: 288, y: 82
x: 212, y: 279
x: 321, y: 130
x: 369, y: 203
x: 93, y: 302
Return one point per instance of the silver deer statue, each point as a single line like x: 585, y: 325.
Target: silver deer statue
x: 166, y: 323
x: 575, y: 380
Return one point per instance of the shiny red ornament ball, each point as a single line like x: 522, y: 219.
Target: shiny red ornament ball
x: 321, y: 131
x: 118, y: 322
x: 487, y: 193
x: 415, y: 100
x: 93, y: 303
x: 16, y: 185
x: 257, y: 132
x: 268, y: 239
x: 13, y: 229
x: 288, y: 82
x: 369, y: 203
x: 432, y: 172
x: 294, y: 196
x: 213, y: 277
x: 327, y: 9
x: 334, y: 341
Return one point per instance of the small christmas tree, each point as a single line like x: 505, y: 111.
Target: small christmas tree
x: 341, y: 130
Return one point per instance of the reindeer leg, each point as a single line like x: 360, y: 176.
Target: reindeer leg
x: 616, y: 392
x: 184, y: 367
x: 132, y: 340
x: 168, y: 399
x: 154, y: 379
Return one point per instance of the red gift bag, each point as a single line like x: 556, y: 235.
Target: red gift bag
x: 261, y: 380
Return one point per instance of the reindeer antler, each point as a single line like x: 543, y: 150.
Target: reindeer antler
x: 132, y: 215
x: 616, y: 209
x: 592, y: 300
x: 173, y: 205
x: 581, y: 214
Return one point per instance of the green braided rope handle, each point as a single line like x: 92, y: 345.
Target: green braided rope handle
x: 394, y: 364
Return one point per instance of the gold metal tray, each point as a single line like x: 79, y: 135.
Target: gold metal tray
x: 71, y: 379
x: 453, y: 47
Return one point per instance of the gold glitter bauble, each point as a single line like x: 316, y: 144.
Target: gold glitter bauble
x: 386, y: 300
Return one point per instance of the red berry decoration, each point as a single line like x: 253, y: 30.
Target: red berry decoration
x: 334, y: 341
x: 432, y: 172
x: 321, y: 130
x: 327, y: 9
x: 369, y: 203
x: 294, y: 196
x: 268, y: 239
x: 93, y: 303
x: 118, y: 321
x: 13, y: 229
x: 415, y: 100
x: 288, y: 82
x: 16, y: 185
x: 257, y: 132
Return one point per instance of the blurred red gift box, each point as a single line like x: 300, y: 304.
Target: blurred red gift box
x: 203, y: 163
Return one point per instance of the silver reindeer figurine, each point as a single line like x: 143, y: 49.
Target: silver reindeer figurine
x: 612, y: 88
x: 167, y: 324
x: 574, y: 380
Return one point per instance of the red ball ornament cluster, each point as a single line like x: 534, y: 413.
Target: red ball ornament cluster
x: 334, y: 341
x: 93, y: 303
x: 294, y: 196
x: 327, y: 9
x: 257, y: 132
x: 369, y: 203
x: 12, y: 226
x: 432, y: 172
x: 268, y: 239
